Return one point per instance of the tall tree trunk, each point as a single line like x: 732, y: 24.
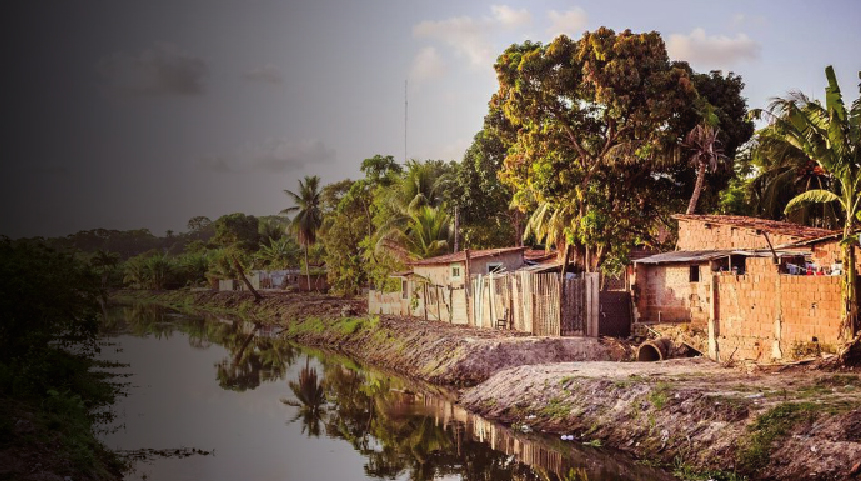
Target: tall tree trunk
x: 850, y: 287
x: 698, y: 189
x: 518, y: 227
x: 307, y: 268
x: 241, y: 271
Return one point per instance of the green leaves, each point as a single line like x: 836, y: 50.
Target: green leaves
x: 816, y: 196
x: 597, y: 125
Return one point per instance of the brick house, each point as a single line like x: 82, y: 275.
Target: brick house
x: 745, y: 282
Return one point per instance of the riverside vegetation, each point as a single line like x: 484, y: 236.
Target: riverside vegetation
x: 53, y: 393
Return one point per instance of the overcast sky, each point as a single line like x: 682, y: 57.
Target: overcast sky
x: 144, y: 114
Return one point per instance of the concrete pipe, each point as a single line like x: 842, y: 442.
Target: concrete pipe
x: 654, y: 350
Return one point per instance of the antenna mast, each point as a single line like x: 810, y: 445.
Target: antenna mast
x: 406, y: 109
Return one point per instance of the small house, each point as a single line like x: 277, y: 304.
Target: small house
x: 435, y: 286
x: 760, y: 289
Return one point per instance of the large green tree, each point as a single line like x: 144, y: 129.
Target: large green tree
x: 308, y: 217
x: 594, y: 117
x: 346, y: 225
x: 239, y: 231
x: 830, y: 135
x: 595, y: 134
x: 485, y: 217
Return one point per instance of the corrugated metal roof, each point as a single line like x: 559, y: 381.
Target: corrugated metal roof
x: 770, y: 226
x: 460, y: 256
x: 703, y: 256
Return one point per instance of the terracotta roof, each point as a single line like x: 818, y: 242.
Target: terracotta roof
x: 641, y: 253
x: 460, y: 256
x: 536, y: 255
x: 770, y: 226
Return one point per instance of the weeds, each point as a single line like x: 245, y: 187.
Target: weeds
x: 771, y: 426
x: 658, y: 397
x: 557, y: 408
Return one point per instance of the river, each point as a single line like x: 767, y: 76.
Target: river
x: 217, y: 402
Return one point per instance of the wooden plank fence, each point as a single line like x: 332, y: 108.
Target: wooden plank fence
x: 529, y: 302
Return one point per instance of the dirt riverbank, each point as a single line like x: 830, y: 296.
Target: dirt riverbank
x: 445, y: 354
x: 691, y: 415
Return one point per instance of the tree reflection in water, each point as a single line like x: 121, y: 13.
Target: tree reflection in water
x: 253, y: 358
x: 401, y: 433
x: 311, y: 400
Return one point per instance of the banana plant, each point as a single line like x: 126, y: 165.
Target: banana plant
x: 830, y: 135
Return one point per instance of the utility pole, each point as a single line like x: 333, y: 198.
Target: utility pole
x: 406, y: 110
x: 456, y: 229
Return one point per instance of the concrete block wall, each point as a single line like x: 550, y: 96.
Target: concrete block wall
x: 699, y: 235
x: 665, y: 294
x: 747, y: 309
x: 828, y: 253
x: 389, y: 303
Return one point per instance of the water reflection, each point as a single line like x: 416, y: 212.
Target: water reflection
x: 401, y: 429
x: 311, y: 397
x: 256, y: 355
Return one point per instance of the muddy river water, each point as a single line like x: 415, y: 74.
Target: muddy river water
x: 217, y: 400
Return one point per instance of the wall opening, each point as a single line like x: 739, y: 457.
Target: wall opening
x: 695, y: 274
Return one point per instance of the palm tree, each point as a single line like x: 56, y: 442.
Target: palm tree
x: 548, y: 224
x: 783, y: 172
x: 705, y: 154
x: 830, y: 136
x: 309, y: 216
x: 311, y: 395
x: 425, y: 234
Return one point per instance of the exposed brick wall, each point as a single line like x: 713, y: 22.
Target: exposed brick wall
x: 698, y: 235
x: 665, y: 294
x: 747, y: 308
x: 828, y: 253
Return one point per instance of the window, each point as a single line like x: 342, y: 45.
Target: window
x: 405, y: 289
x: 494, y: 267
x: 455, y: 271
x: 695, y: 273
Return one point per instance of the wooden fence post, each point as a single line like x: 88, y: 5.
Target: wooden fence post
x: 467, y: 283
x: 562, y: 284
x: 425, y: 299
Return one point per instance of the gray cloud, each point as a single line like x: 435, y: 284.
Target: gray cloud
x: 714, y: 51
x: 570, y: 22
x: 266, y: 74
x: 273, y: 156
x: 468, y: 36
x: 163, y: 69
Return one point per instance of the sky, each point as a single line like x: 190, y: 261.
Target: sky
x: 128, y: 115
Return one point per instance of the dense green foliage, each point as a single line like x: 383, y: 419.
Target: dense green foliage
x: 50, y: 307
x: 597, y: 139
